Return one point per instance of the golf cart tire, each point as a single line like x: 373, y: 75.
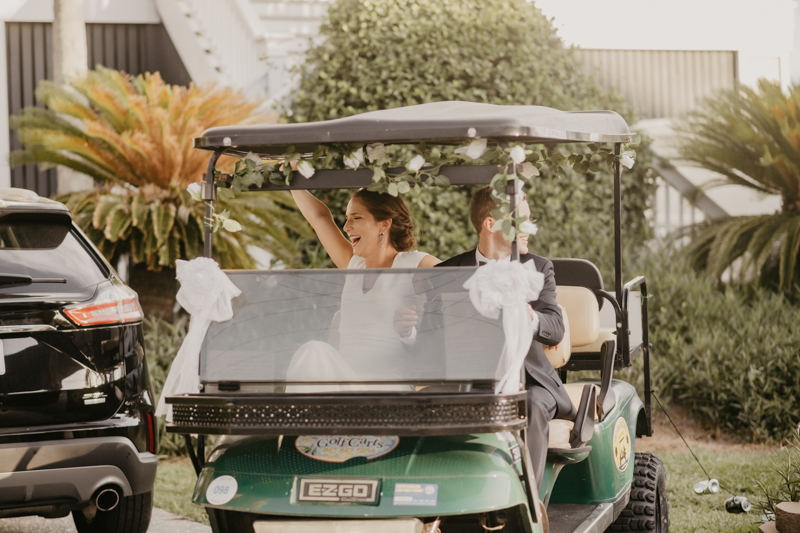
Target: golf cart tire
x: 131, y: 515
x: 230, y: 521
x: 647, y: 509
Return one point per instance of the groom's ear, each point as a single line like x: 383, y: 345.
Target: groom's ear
x: 487, y: 224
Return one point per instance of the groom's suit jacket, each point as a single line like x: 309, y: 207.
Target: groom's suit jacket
x: 551, y: 330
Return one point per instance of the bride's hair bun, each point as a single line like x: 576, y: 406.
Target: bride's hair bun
x: 384, y: 206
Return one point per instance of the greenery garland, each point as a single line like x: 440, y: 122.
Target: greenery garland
x: 421, y: 164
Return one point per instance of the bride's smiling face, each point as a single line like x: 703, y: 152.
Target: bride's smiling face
x: 363, y: 230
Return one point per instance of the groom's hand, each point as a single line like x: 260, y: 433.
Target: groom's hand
x: 405, y: 320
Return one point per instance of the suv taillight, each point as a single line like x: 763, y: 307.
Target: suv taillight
x: 113, y: 304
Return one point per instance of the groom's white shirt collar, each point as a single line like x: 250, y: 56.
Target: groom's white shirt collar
x: 479, y: 257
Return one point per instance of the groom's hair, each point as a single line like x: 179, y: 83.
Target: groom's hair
x: 481, y: 207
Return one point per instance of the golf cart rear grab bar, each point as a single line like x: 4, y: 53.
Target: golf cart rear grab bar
x: 411, y: 414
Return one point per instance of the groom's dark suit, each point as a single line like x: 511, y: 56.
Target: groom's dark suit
x: 547, y: 398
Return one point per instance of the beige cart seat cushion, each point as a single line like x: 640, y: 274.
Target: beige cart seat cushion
x: 581, y: 322
x: 583, y: 311
x: 560, y: 429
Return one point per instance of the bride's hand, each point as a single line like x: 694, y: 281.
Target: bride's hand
x: 405, y: 320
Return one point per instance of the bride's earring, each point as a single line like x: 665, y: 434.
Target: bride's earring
x: 381, y: 239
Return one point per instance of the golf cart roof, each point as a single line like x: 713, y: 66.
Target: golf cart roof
x: 439, y: 122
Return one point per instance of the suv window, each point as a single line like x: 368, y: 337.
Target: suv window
x: 45, y: 249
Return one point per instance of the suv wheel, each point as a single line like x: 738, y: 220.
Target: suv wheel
x: 131, y: 515
x: 647, y: 509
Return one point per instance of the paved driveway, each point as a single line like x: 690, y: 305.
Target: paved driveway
x: 162, y: 522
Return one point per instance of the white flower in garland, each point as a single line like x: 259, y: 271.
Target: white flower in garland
x: 355, y: 159
x: 517, y: 155
x: 231, y: 225
x: 529, y: 227
x: 627, y: 159
x: 375, y: 151
x: 195, y: 190
x: 305, y: 169
x: 416, y: 163
x: 528, y: 170
x: 474, y: 150
x: 254, y: 158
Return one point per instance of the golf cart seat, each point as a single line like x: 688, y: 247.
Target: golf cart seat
x: 581, y: 315
x: 577, y: 281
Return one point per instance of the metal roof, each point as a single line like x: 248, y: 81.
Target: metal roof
x: 439, y: 122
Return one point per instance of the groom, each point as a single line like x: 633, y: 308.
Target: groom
x: 547, y: 398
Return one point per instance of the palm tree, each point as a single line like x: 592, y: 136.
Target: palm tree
x: 751, y: 137
x: 133, y: 136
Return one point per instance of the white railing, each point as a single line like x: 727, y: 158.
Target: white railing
x: 230, y: 32
x: 219, y: 40
x: 678, y: 202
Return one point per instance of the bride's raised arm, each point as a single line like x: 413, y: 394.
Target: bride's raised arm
x: 319, y: 216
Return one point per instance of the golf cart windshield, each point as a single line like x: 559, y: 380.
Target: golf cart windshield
x: 315, y: 331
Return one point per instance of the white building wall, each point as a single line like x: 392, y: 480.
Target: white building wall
x: 761, y: 32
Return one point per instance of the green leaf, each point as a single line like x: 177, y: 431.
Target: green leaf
x: 392, y: 189
x: 225, y: 194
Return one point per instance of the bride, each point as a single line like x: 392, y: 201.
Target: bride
x: 378, y: 314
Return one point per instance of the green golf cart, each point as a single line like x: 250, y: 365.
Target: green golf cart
x: 429, y: 444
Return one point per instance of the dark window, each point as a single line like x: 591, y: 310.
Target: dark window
x: 45, y: 250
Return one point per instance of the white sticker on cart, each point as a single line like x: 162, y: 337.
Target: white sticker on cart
x: 341, y: 448
x: 416, y: 494
x: 221, y: 490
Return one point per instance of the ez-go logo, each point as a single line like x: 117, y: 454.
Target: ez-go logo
x: 338, y: 490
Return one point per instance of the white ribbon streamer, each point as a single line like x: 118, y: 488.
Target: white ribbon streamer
x: 206, y: 293
x: 508, y: 286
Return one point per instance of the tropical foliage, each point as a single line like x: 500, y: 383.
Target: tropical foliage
x: 381, y: 54
x: 751, y: 137
x: 133, y: 135
x: 727, y: 356
x: 786, y: 466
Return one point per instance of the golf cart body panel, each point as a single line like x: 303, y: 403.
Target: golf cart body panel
x: 605, y: 475
x: 434, y: 123
x: 457, y: 452
x: 475, y: 473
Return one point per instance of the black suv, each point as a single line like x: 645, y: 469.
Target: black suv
x: 77, y: 430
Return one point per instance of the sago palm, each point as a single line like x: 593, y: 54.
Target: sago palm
x: 133, y: 135
x: 751, y: 137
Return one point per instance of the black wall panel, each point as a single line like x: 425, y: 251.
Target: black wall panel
x: 133, y: 48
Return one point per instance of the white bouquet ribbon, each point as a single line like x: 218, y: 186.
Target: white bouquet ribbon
x: 508, y: 286
x: 207, y: 294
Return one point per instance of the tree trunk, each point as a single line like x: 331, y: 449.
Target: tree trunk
x: 156, y: 290
x: 70, y: 60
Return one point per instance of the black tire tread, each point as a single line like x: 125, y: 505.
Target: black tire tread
x: 648, y: 484
x: 131, y: 515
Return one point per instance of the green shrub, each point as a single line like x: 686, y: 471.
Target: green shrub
x: 162, y: 339
x: 728, y: 356
x: 382, y: 54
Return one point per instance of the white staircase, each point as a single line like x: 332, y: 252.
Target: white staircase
x: 246, y: 44
x: 219, y: 41
x: 289, y: 26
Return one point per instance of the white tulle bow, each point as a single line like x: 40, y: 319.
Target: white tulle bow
x: 207, y: 294
x: 508, y: 286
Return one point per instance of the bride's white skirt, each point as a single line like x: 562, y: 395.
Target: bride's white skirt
x: 319, y: 361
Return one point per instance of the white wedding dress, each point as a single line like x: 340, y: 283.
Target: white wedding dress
x: 369, y: 348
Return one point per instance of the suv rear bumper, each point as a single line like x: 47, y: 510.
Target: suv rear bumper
x: 72, y: 470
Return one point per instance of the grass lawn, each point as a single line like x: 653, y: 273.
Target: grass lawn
x: 736, y: 471
x: 175, y: 480
x: 736, y: 467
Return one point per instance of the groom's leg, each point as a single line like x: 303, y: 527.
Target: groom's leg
x: 541, y: 410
